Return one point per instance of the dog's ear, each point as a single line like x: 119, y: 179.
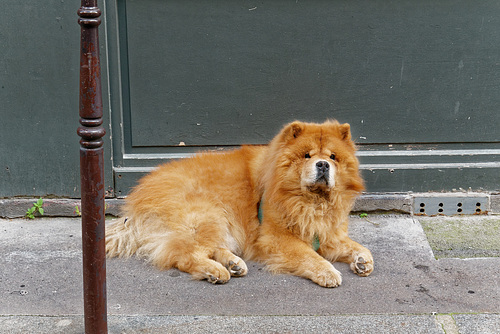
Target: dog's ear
x: 345, y: 131
x: 293, y: 130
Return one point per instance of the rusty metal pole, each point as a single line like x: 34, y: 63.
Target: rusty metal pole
x: 92, y: 171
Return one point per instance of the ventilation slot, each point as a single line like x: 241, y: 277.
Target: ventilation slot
x: 450, y: 205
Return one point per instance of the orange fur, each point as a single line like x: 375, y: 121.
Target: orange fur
x: 200, y: 214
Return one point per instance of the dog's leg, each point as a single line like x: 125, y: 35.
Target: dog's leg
x: 185, y: 254
x: 201, y: 267
x: 236, y: 266
x: 341, y: 248
x: 283, y: 252
x: 193, y: 245
x: 189, y: 243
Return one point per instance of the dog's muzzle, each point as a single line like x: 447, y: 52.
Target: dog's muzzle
x: 323, y: 172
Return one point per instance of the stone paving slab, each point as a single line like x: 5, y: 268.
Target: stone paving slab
x: 463, y: 236
x: 367, y: 324
x: 40, y: 283
x: 339, y: 324
x: 478, y: 323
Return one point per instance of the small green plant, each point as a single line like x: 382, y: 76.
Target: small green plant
x: 364, y: 216
x: 37, y: 207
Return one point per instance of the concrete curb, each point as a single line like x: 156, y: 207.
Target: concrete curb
x: 371, y: 202
x: 340, y: 324
x: 401, y: 203
x: 495, y: 203
x: 53, y: 207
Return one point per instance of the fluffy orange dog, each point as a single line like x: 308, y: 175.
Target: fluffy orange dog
x: 200, y: 215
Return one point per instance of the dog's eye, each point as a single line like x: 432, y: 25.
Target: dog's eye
x: 332, y: 156
x: 307, y: 156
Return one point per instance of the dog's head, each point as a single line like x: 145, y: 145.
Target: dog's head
x: 316, y: 158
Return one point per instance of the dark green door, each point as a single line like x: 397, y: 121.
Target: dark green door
x: 417, y: 80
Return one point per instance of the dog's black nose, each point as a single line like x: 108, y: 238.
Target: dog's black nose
x: 323, y: 166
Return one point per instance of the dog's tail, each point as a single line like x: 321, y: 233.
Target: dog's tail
x: 121, y: 239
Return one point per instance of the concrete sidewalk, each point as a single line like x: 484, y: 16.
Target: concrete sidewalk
x: 409, y: 292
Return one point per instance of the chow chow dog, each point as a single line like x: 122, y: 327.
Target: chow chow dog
x: 204, y: 215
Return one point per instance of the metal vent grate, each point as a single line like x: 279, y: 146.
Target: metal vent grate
x: 450, y: 205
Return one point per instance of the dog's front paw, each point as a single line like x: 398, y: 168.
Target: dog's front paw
x: 362, y: 264
x: 330, y: 278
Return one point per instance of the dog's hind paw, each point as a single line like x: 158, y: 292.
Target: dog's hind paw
x: 216, y: 280
x: 237, y: 269
x: 218, y: 275
x: 234, y: 264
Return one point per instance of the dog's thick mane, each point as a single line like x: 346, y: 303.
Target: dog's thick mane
x: 310, y: 214
x: 315, y: 217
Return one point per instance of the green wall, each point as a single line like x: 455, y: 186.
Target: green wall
x: 39, y: 69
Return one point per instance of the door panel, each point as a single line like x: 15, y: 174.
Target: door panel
x: 407, y: 75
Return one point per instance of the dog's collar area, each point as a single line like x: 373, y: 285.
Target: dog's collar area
x: 259, y: 211
x: 315, y: 243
